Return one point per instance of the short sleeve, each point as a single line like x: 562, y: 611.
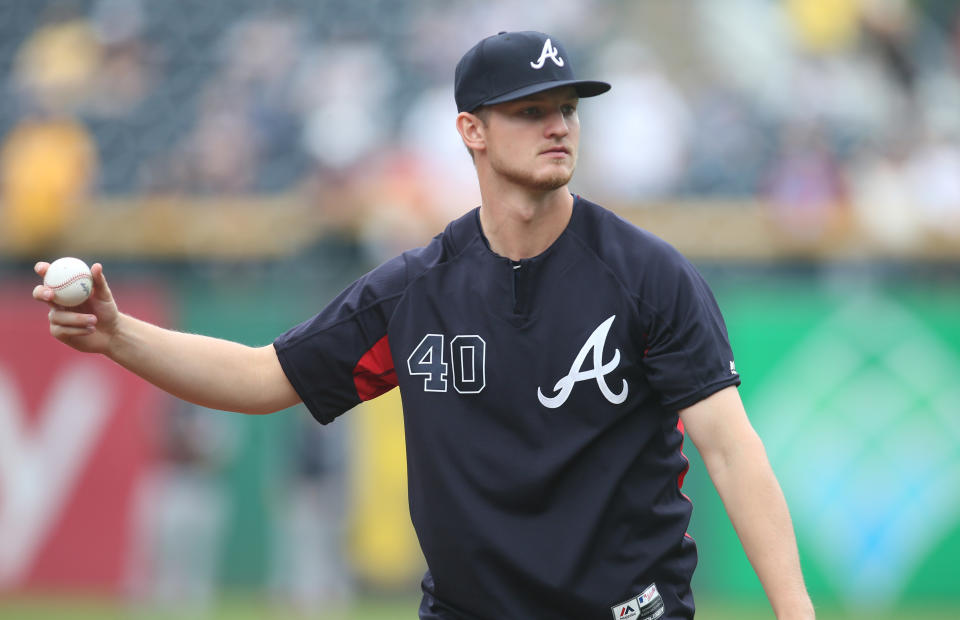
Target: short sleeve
x: 341, y: 356
x: 688, y: 355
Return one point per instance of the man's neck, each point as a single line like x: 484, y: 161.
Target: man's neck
x: 523, y: 226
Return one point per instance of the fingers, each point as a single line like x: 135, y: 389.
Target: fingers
x: 67, y: 318
x: 43, y: 293
x: 60, y: 332
x: 66, y: 323
x: 100, y: 288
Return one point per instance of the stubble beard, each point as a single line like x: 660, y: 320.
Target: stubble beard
x: 537, y: 181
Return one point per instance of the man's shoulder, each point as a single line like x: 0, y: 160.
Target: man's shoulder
x: 442, y: 248
x: 619, y: 243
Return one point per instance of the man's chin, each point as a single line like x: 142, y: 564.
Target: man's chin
x: 551, y: 181
x: 544, y: 180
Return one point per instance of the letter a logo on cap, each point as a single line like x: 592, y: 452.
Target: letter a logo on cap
x: 549, y: 51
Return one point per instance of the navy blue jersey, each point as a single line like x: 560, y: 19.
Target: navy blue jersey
x: 540, y: 403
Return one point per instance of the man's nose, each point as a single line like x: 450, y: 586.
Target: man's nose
x: 557, y: 124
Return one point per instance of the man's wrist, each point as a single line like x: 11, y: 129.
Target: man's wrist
x: 800, y: 611
x: 117, y: 333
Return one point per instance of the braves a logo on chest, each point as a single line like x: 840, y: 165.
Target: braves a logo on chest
x: 594, y: 343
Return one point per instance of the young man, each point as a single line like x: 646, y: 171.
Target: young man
x: 550, y: 358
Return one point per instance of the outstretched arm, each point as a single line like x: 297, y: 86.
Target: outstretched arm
x: 737, y: 463
x: 207, y: 371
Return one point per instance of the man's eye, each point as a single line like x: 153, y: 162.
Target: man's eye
x: 569, y: 110
x: 530, y: 111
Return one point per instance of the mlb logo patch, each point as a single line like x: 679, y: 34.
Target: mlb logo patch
x: 648, y: 595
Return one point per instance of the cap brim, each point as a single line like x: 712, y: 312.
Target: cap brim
x: 584, y: 88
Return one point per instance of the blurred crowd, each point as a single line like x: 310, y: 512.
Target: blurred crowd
x: 825, y: 111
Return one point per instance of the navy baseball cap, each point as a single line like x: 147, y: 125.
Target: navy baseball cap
x: 512, y: 65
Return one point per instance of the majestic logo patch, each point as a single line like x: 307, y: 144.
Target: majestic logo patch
x: 549, y: 51
x: 625, y: 611
x: 594, y: 343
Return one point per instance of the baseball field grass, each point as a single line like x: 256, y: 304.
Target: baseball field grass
x: 239, y: 608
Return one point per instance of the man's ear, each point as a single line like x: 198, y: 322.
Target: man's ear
x: 471, y: 128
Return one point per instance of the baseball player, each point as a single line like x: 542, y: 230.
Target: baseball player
x: 551, y: 358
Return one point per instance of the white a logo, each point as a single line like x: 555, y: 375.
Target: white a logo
x: 549, y: 51
x: 564, y: 386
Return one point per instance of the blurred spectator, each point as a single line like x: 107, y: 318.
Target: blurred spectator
x: 244, y: 133
x: 438, y: 35
x: 955, y: 35
x: 746, y: 44
x: 936, y: 100
x: 749, y: 46
x: 48, y: 162
x: 260, y: 57
x: 55, y: 66
x: 824, y: 26
x: 881, y: 195
x: 123, y: 77
x: 888, y: 26
x: 639, y: 132
x: 219, y: 156
x: 933, y: 173
x: 399, y: 208
x: 182, y: 510
x: 308, y: 565
x: 731, y: 145
x: 427, y: 135
x: 343, y: 91
x: 47, y: 166
x: 805, y: 187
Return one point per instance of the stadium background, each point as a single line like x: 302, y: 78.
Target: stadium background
x: 235, y: 163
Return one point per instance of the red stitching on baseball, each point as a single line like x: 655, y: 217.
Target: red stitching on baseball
x: 79, y: 276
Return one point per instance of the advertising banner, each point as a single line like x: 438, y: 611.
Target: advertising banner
x: 75, y: 438
x: 855, y: 391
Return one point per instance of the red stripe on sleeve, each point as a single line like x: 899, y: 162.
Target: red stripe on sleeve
x: 374, y: 373
x: 686, y: 467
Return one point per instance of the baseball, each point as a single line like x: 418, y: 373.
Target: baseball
x: 70, y: 279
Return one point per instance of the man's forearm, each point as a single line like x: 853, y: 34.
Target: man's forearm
x: 759, y: 513
x: 207, y: 371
